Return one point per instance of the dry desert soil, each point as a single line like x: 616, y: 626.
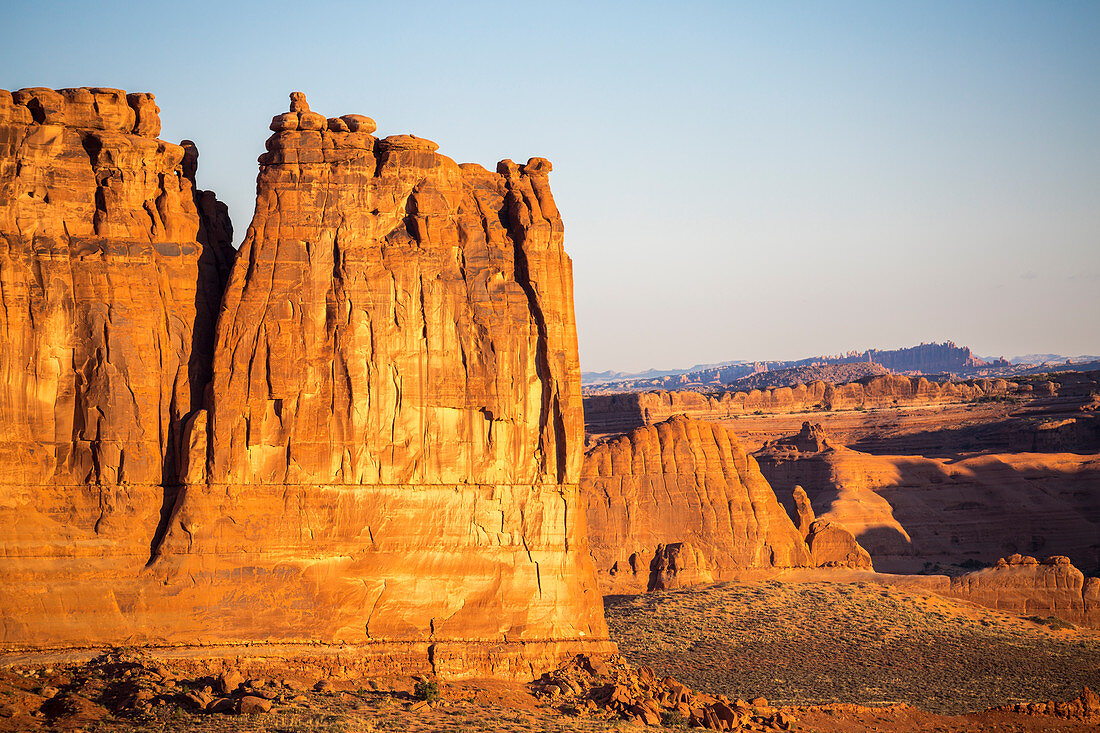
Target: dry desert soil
x: 816, y: 648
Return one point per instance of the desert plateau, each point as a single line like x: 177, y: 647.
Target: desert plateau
x: 318, y: 453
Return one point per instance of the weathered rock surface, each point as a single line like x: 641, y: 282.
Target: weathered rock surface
x: 681, y: 495
x: 111, y: 270
x: 909, y: 511
x: 617, y: 412
x: 378, y: 451
x: 830, y: 544
x: 1022, y: 585
x: 395, y: 433
x: 833, y: 546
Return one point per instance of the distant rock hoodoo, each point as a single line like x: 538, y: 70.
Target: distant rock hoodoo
x: 378, y: 445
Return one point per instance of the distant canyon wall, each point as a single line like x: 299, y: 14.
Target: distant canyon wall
x: 621, y: 412
x: 376, y: 442
x: 910, y: 510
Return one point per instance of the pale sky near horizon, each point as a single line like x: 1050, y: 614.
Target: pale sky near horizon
x: 767, y: 180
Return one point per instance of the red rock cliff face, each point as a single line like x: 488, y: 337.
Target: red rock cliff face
x: 682, y: 482
x: 111, y: 269
x: 373, y: 458
x: 394, y: 439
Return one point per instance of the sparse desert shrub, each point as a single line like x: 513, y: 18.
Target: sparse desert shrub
x: 427, y: 690
x: 1055, y: 623
x: 673, y: 719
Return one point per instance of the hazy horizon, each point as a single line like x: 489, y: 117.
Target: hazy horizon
x: 769, y: 181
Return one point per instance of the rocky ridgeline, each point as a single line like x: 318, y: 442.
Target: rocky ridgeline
x: 620, y: 412
x: 1023, y: 585
x: 612, y: 688
x: 1085, y: 706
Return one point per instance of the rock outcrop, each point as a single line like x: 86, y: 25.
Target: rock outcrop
x: 1021, y: 585
x: 911, y: 512
x: 395, y: 434
x: 830, y: 544
x: 682, y: 496
x: 1024, y: 586
x: 112, y: 265
x: 618, y: 412
x: 377, y: 454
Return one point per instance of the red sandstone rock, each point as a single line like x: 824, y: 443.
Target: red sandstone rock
x: 833, y: 546
x: 615, y: 412
x: 804, y: 510
x: 111, y: 277
x: 1024, y: 586
x: 908, y: 510
x: 393, y: 438
x: 379, y: 451
x: 677, y: 484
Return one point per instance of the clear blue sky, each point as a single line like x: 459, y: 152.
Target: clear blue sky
x: 738, y: 180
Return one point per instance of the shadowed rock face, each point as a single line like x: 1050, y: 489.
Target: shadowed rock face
x: 685, y: 490
x: 387, y: 450
x: 910, y: 510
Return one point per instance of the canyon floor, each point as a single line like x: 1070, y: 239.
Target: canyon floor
x: 819, y: 649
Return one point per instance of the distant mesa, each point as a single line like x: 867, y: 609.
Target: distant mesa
x: 925, y: 359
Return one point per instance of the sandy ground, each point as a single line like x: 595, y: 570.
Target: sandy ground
x: 814, y: 647
x: 821, y: 642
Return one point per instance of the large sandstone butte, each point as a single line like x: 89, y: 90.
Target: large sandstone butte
x: 385, y: 458
x: 679, y: 503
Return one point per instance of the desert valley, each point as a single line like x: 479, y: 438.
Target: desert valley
x: 349, y: 478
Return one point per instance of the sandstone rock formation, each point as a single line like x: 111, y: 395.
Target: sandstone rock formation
x: 930, y: 359
x: 794, y: 376
x: 395, y: 435
x: 909, y: 511
x: 112, y: 265
x: 618, y: 412
x: 379, y: 448
x: 1022, y: 585
x: 681, y: 495
x: 830, y: 544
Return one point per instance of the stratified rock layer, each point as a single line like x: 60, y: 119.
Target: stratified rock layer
x: 111, y: 271
x: 373, y: 460
x: 682, y: 496
x: 1022, y: 585
x: 393, y: 445
x: 617, y: 412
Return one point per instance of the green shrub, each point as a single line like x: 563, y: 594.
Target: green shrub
x: 427, y: 690
x: 673, y: 719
